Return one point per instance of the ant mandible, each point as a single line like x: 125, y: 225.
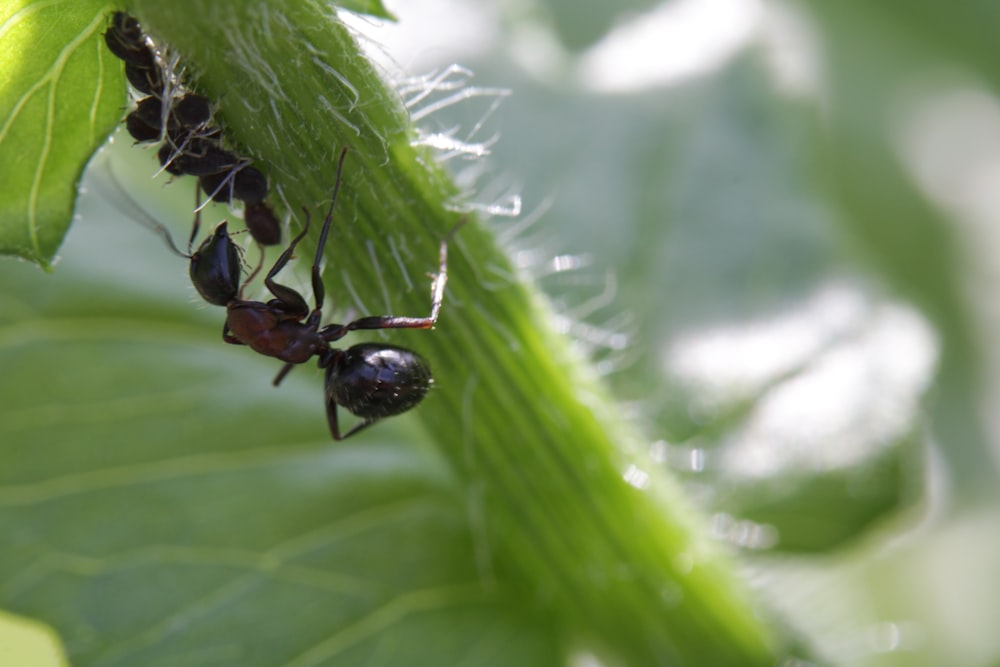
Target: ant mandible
x: 372, y: 381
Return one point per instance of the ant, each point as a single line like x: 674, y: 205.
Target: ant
x: 370, y: 380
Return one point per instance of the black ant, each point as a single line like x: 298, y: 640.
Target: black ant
x: 370, y: 380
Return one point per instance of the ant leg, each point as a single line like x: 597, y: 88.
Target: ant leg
x: 334, y: 332
x: 253, y: 274
x: 289, y: 301
x: 319, y: 291
x: 331, y: 418
x: 197, y: 217
x: 364, y: 424
x: 139, y: 214
x: 228, y: 337
x: 281, y: 374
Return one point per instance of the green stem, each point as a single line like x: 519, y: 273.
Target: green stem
x: 529, y: 430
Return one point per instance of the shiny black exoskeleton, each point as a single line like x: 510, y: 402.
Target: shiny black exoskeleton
x: 372, y: 381
x: 215, y: 268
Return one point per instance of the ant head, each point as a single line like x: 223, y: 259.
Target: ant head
x: 215, y: 268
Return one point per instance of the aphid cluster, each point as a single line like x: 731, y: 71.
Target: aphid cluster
x: 182, y: 121
x: 370, y: 380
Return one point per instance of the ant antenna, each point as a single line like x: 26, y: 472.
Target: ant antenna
x: 329, y: 214
x: 319, y: 293
x: 197, y: 217
x: 140, y: 215
x: 255, y: 272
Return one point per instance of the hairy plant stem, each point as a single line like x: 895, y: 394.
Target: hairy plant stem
x: 530, y: 432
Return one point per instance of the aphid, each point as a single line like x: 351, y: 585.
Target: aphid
x: 372, y: 381
x: 148, y: 80
x: 125, y: 39
x: 150, y: 111
x: 201, y: 158
x: 262, y: 224
x: 241, y: 182
x: 191, y: 145
x: 166, y: 154
x: 140, y: 130
x: 249, y: 185
x: 191, y: 111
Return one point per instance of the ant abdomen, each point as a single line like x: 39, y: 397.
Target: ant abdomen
x: 373, y: 380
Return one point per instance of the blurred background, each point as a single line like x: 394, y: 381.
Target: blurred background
x: 773, y: 226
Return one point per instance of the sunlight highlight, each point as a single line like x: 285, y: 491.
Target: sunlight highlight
x: 827, y: 381
x: 672, y: 42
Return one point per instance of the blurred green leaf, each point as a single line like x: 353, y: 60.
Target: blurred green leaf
x: 712, y: 219
x: 876, y: 62
x: 61, y: 93
x: 578, y: 29
x: 808, y: 510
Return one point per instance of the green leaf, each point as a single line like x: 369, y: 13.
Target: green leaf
x: 371, y: 7
x: 528, y: 429
x: 535, y: 445
x: 61, y: 93
x: 145, y: 532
